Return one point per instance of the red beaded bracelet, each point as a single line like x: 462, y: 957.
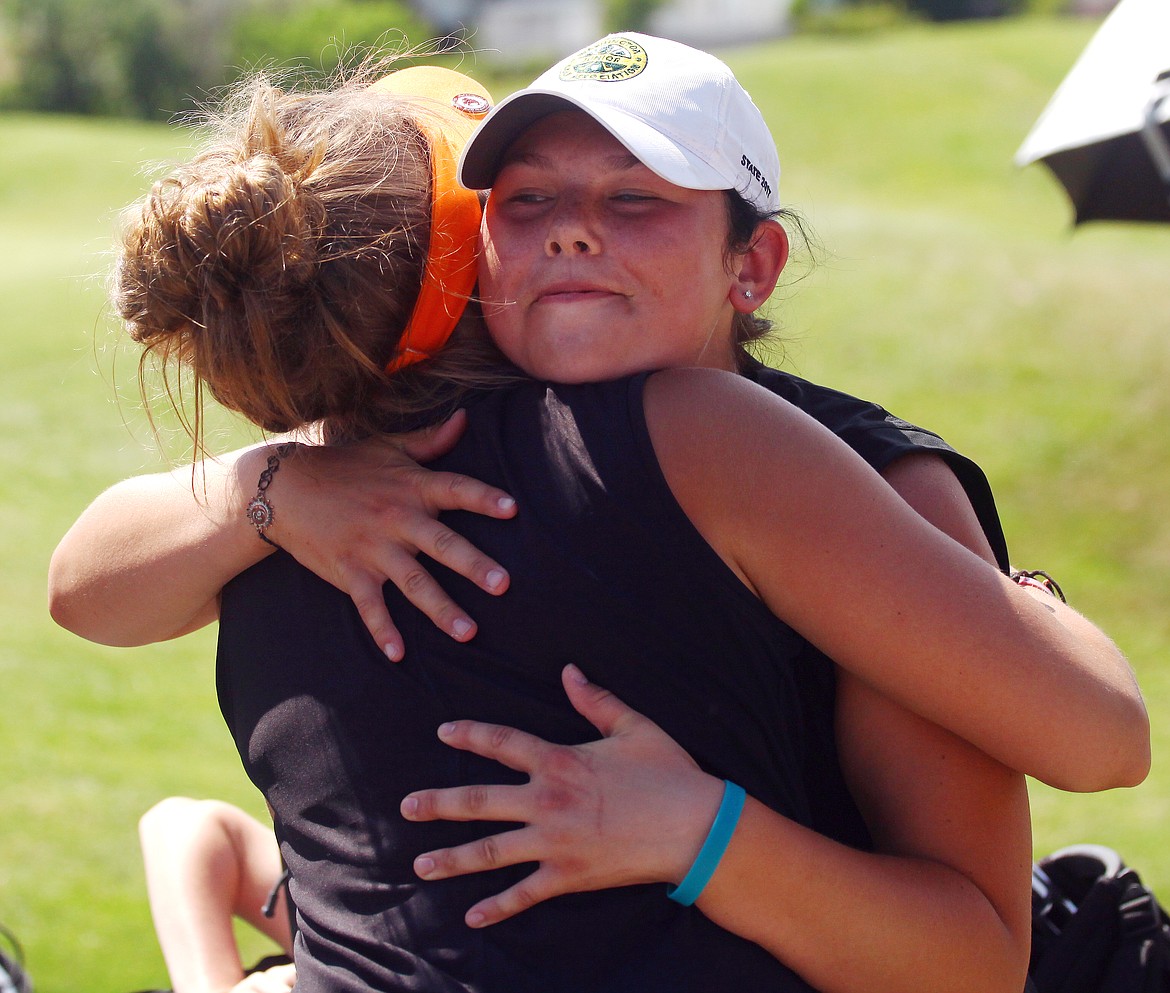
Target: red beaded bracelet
x: 1040, y: 580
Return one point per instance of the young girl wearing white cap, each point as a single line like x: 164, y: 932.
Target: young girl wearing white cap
x: 791, y: 516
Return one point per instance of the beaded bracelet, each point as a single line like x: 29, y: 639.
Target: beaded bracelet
x: 718, y: 838
x: 259, y: 512
x: 1038, y: 579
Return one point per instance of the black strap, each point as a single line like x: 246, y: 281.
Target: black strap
x: 13, y: 978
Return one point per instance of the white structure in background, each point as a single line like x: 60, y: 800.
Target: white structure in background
x: 711, y: 23
x: 542, y: 29
x: 548, y: 29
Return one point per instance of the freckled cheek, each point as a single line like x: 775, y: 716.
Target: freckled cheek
x: 501, y: 269
x: 508, y: 338
x: 664, y: 281
x: 493, y: 274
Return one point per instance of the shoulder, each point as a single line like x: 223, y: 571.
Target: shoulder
x: 687, y: 410
x: 726, y: 408
x: 729, y: 447
x: 877, y: 435
x: 887, y: 443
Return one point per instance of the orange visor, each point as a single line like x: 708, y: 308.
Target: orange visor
x: 454, y: 104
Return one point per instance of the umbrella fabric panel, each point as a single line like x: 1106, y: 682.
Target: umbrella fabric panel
x: 1091, y: 133
x: 1106, y: 92
x: 1114, y: 180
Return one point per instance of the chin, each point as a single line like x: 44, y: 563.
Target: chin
x: 570, y: 373
x: 566, y: 377
x: 564, y: 363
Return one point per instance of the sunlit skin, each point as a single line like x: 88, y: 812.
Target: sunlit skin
x: 594, y: 267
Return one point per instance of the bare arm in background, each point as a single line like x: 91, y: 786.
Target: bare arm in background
x: 208, y: 862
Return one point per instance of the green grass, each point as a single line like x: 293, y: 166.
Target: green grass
x: 90, y: 736
x: 951, y: 289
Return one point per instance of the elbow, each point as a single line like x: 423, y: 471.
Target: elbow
x: 1125, y: 772
x: 68, y: 610
x: 106, y: 616
x: 1121, y: 760
x: 1135, y: 758
x: 73, y: 607
x: 1131, y: 732
x: 74, y: 615
x: 66, y: 601
x: 1129, y: 757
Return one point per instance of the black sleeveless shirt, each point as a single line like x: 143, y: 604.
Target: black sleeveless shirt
x: 607, y: 572
x: 881, y: 438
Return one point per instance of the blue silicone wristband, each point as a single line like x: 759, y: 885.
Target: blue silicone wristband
x: 707, y: 861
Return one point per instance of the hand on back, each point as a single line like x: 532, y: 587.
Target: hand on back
x: 359, y: 514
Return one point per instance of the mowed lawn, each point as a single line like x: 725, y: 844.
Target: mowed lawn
x: 949, y: 286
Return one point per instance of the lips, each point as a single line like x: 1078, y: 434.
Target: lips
x: 573, y: 292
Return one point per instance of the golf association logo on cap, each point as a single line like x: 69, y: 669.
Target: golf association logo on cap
x: 607, y: 61
x: 471, y: 104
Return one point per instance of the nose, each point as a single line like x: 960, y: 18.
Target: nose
x: 571, y: 232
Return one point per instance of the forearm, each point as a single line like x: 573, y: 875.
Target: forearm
x: 893, y: 924
x: 1111, y: 702
x: 946, y: 908
x: 925, y: 620
x: 146, y: 560
x: 1118, y: 754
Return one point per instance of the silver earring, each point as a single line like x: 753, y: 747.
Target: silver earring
x: 748, y: 295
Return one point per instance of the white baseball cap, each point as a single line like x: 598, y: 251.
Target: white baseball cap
x: 681, y: 111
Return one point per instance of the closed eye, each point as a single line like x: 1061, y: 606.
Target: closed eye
x: 528, y: 196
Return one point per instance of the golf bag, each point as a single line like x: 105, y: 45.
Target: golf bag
x: 1095, y: 926
x: 13, y: 978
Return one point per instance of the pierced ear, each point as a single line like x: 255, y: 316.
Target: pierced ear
x: 760, y: 267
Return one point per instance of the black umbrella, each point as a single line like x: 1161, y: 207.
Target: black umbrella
x: 1106, y: 132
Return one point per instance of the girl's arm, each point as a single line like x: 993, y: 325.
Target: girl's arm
x: 928, y: 485
x: 943, y: 904
x: 851, y: 566
x: 147, y: 559
x: 206, y: 863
